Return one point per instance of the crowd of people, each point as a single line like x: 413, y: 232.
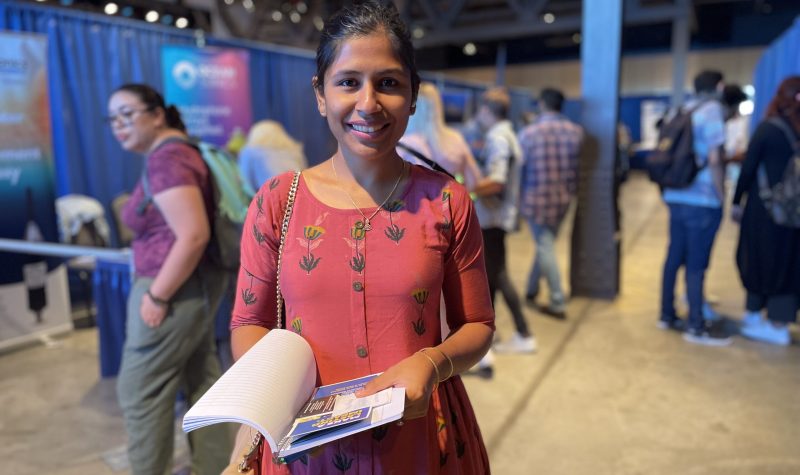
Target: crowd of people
x: 375, y: 203
x: 768, y: 252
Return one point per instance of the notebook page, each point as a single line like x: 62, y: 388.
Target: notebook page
x: 265, y: 388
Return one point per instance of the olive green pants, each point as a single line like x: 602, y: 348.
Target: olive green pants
x: 157, y: 363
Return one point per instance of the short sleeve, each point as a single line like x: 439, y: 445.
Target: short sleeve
x: 465, y: 287
x: 176, y: 164
x: 713, y: 126
x: 255, y: 302
x: 497, y: 161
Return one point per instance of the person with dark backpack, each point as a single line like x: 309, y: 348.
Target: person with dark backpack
x: 768, y: 254
x: 692, y: 182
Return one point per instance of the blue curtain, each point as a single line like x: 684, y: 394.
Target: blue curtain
x: 90, y: 55
x: 780, y: 60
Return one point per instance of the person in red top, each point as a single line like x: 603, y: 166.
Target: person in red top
x: 169, y: 341
x: 372, y: 245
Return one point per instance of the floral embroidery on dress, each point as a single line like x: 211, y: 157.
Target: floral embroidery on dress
x: 380, y: 432
x: 342, y: 462
x: 258, y: 235
x: 248, y: 297
x: 393, y: 231
x: 297, y: 325
x: 274, y: 183
x: 260, y: 204
x: 312, y: 238
x: 447, y: 224
x: 420, y: 296
x: 358, y: 233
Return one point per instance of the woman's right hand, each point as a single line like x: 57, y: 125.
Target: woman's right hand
x: 736, y: 213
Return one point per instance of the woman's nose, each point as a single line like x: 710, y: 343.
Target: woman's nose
x: 368, y: 102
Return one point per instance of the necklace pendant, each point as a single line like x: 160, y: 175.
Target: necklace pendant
x: 367, y: 225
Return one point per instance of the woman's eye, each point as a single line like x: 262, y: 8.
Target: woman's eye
x: 348, y: 82
x: 389, y: 82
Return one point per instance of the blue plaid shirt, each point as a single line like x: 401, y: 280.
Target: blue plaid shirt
x: 550, y: 148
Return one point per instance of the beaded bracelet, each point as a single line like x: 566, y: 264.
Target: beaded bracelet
x: 435, y: 368
x: 449, y: 360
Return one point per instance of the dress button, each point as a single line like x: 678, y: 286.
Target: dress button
x: 361, y: 351
x: 358, y: 286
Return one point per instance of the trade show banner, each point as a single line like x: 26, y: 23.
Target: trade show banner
x: 34, y: 299
x: 211, y: 88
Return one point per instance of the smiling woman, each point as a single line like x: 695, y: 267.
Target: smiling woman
x: 390, y: 240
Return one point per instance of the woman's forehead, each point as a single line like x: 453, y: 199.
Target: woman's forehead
x: 373, y: 51
x: 123, y: 98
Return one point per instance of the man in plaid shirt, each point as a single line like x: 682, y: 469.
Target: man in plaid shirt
x: 550, y: 148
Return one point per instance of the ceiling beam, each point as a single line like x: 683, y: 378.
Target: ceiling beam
x: 497, y: 25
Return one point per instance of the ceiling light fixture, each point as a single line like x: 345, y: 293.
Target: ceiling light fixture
x: 470, y: 49
x: 181, y: 22
x: 111, y: 8
x: 151, y: 16
x: 549, y: 18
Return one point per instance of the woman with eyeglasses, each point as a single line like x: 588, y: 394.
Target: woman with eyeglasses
x: 169, y: 331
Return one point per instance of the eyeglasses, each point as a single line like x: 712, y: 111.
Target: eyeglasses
x: 125, y: 117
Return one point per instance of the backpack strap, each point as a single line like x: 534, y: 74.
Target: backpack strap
x: 788, y: 131
x: 416, y: 153
x: 764, y: 188
x: 148, y: 196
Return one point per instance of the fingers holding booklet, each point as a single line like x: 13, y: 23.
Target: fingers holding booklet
x: 271, y: 388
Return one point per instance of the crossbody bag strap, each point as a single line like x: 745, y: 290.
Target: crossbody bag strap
x: 432, y: 164
x: 287, y: 215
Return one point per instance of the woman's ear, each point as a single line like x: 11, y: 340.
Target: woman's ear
x: 319, y: 93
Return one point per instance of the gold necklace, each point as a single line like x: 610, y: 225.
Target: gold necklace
x: 366, y: 225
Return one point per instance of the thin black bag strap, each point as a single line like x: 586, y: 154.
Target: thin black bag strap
x: 416, y: 153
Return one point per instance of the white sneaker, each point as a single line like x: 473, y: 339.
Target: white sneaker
x: 517, y: 344
x: 768, y: 332
x: 486, y: 362
x: 751, y: 318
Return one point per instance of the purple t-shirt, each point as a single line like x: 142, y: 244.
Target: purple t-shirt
x: 170, y: 165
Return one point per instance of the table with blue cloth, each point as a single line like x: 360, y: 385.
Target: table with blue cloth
x: 112, y: 284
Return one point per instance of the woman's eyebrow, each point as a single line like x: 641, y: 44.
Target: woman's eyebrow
x: 353, y: 72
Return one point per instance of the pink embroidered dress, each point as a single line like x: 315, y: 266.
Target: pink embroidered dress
x: 364, y: 300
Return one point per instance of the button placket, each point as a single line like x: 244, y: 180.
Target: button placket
x: 358, y: 263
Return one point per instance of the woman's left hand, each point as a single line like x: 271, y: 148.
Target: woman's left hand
x: 416, y: 375
x: 152, y: 313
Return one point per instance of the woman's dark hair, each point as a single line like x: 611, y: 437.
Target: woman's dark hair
x: 362, y: 19
x: 785, y: 103
x: 153, y: 100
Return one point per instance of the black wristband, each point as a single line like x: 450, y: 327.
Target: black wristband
x: 156, y: 300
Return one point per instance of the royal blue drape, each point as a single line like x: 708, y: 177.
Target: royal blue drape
x: 89, y: 55
x: 780, y: 60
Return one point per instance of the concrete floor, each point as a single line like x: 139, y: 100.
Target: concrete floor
x: 607, y: 393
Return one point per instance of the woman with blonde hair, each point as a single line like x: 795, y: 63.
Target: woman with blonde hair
x: 268, y: 152
x: 428, y: 134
